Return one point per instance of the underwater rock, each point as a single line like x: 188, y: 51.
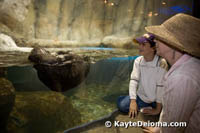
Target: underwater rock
x: 7, y: 98
x: 59, y: 72
x: 42, y: 112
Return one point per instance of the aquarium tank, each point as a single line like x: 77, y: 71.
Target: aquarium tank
x: 100, y: 32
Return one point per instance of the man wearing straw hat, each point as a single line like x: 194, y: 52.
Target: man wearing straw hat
x: 178, y: 41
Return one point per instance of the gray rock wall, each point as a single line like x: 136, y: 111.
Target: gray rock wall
x: 86, y: 20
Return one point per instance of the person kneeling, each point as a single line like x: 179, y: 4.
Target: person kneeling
x: 145, y: 87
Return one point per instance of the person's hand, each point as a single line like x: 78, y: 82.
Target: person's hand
x: 153, y: 111
x: 133, y: 109
x: 150, y: 111
x: 151, y: 129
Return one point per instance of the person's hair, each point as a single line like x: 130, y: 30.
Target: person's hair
x: 151, y: 42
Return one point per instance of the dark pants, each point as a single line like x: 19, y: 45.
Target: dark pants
x: 123, y: 103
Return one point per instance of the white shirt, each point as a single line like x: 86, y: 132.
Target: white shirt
x: 147, y: 77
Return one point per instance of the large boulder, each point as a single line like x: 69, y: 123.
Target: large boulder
x: 13, y: 13
x: 7, y: 97
x: 59, y: 72
x: 42, y: 112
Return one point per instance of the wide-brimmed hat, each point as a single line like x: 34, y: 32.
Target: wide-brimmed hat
x: 181, y: 32
x: 146, y: 38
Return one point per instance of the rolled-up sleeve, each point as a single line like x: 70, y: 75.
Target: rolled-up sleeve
x: 159, y: 93
x: 160, y: 82
x: 135, y: 75
x: 160, y: 85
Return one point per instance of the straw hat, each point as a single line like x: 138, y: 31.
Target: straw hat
x: 181, y: 32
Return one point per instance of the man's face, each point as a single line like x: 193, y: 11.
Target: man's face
x: 145, y: 49
x: 162, y: 49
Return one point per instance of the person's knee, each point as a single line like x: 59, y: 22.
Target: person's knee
x: 122, y: 104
